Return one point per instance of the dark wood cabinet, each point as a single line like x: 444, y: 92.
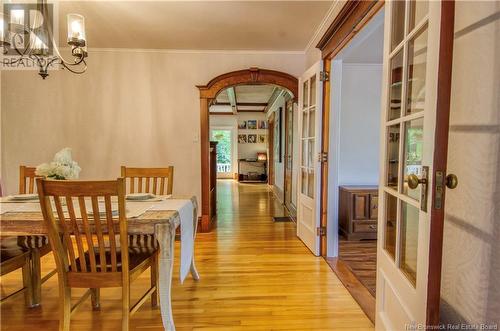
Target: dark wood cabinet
x: 358, y: 212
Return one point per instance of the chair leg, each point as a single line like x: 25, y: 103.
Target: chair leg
x: 27, y: 283
x: 125, y: 307
x: 154, y: 281
x: 95, y: 295
x: 36, y: 277
x: 64, y: 307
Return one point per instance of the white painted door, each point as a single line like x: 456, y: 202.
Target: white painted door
x: 409, y: 96
x: 310, y: 102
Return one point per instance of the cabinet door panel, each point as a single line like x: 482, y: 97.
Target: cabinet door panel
x: 373, y: 207
x: 360, y: 206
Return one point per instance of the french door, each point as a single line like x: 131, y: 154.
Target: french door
x: 410, y: 186
x: 308, y: 220
x: 225, y: 146
x: 289, y: 183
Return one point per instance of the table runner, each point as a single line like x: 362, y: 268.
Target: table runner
x: 186, y: 212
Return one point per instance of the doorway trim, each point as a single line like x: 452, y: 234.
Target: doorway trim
x: 351, y: 19
x: 208, y: 93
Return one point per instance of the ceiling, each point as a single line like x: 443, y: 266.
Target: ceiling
x: 198, y: 25
x: 245, y: 98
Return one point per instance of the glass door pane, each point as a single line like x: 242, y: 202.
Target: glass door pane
x: 391, y: 212
x: 413, y: 154
x: 409, y: 241
x: 313, y: 91
x: 396, y: 79
x: 417, y: 64
x: 418, y: 10
x: 398, y: 20
x: 393, y: 156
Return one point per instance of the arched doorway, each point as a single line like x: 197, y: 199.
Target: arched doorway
x: 207, y: 95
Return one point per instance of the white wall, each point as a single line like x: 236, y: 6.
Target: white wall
x: 359, y: 124
x: 137, y: 108
x: 470, y: 288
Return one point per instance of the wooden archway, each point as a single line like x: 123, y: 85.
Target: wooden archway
x: 252, y: 76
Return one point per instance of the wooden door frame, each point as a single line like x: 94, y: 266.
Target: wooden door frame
x: 351, y: 19
x: 270, y: 142
x: 292, y: 210
x: 208, y: 93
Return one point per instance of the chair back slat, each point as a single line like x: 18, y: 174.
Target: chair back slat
x: 145, y: 180
x: 100, y: 234
x: 66, y: 232
x: 27, y: 178
x: 88, y: 216
x: 111, y: 231
x: 77, y: 233
x: 88, y: 233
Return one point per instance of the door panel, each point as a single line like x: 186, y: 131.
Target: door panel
x: 288, y: 187
x: 409, y: 94
x: 308, y: 220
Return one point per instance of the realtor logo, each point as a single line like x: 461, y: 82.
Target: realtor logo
x: 26, y: 35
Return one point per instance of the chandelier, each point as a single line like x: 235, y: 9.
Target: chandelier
x: 26, y: 34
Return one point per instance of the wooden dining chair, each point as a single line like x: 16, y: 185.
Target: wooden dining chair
x: 12, y: 258
x: 27, y: 178
x: 149, y: 180
x: 100, y: 256
x: 33, y: 246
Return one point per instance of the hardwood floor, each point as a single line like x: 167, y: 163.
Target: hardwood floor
x: 255, y: 275
x: 361, y: 257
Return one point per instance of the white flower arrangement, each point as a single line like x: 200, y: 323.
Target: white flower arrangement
x: 62, y: 167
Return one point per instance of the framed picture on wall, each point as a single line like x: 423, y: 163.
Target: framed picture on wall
x: 242, y: 139
x: 252, y: 124
x: 262, y: 125
x: 262, y: 138
x: 242, y: 125
x: 252, y: 138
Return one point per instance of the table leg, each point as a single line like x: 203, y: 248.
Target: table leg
x: 165, y: 236
x: 192, y: 268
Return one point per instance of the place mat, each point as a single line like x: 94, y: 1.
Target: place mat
x: 9, y: 199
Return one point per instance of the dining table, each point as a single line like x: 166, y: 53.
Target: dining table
x: 159, y: 217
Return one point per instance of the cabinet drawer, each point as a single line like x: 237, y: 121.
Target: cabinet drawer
x: 364, y: 227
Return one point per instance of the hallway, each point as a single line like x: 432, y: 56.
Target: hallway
x: 255, y: 275
x: 266, y: 279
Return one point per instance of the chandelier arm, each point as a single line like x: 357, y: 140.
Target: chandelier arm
x: 76, y: 71
x: 63, y: 60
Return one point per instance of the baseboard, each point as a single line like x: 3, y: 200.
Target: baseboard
x: 278, y: 193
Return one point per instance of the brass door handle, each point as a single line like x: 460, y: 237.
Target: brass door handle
x: 414, y: 181
x: 451, y: 181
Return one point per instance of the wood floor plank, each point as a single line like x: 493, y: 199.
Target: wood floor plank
x: 361, y: 257
x: 255, y: 275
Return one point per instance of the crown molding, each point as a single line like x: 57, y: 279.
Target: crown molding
x: 325, y: 22
x: 191, y: 51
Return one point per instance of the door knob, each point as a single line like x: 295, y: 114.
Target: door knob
x: 451, y: 181
x: 414, y: 181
